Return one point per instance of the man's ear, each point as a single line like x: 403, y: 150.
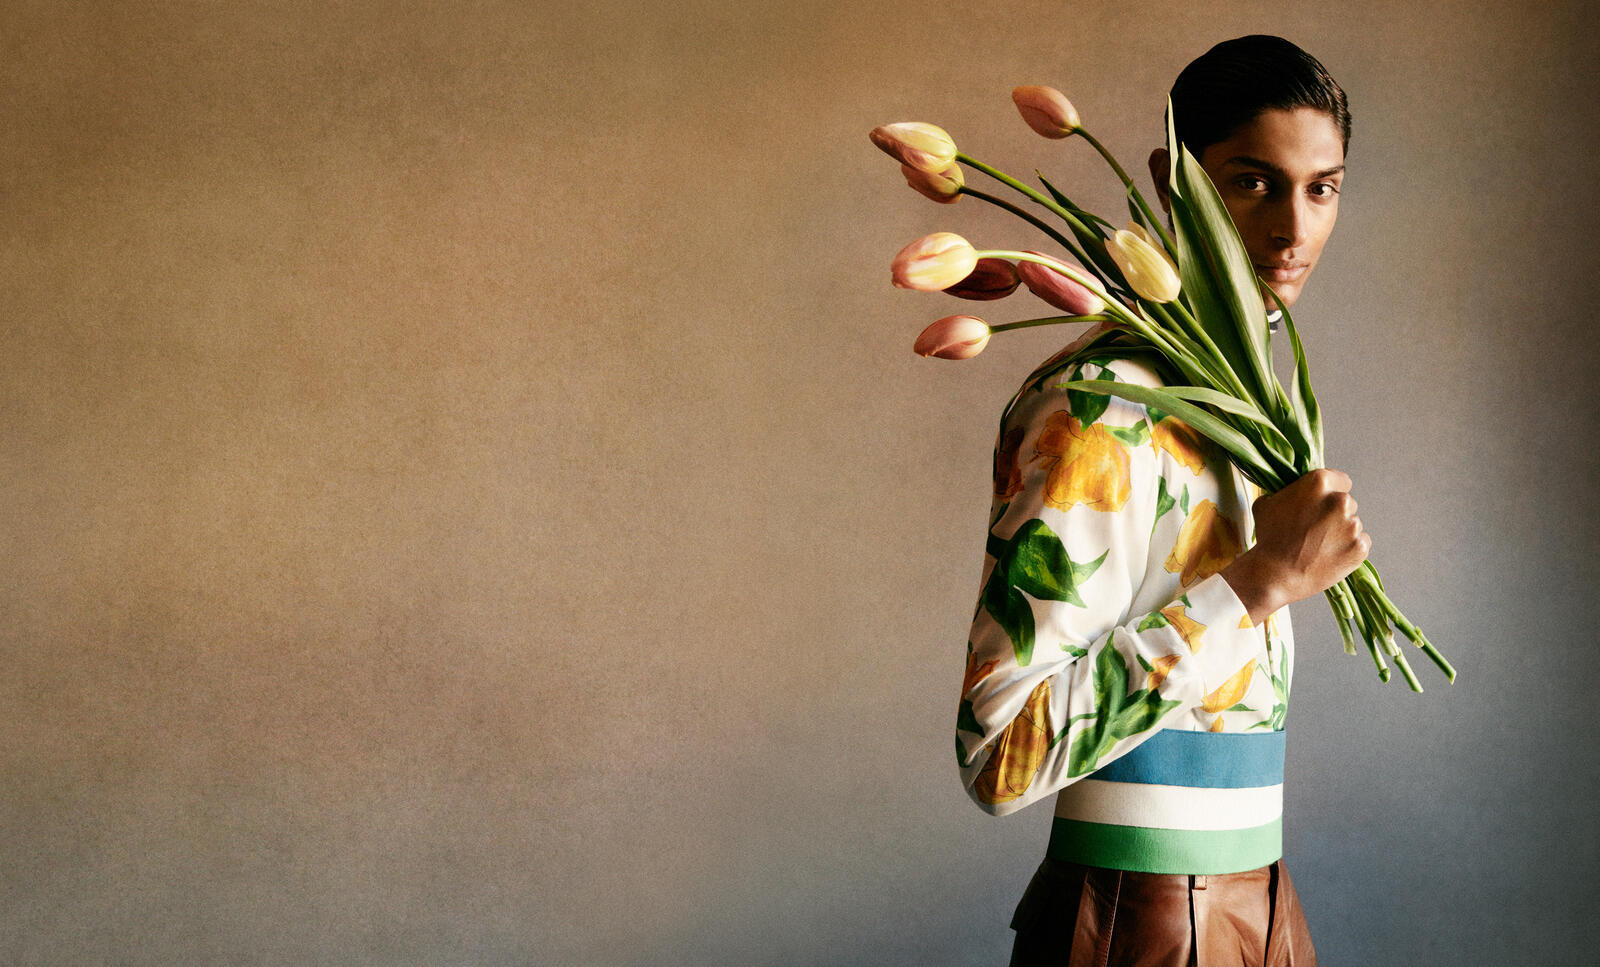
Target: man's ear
x: 1161, y: 172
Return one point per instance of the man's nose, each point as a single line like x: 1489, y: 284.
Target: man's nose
x: 1290, y: 221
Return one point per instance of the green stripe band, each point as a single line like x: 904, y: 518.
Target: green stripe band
x: 1147, y: 850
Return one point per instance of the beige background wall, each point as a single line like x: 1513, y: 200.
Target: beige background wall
x: 469, y: 497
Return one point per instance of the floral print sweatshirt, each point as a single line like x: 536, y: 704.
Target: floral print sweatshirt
x: 1109, y: 662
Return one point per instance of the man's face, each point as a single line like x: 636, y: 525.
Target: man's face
x: 1279, y: 177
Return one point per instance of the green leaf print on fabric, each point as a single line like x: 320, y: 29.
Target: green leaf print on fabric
x: 1035, y: 561
x: 1011, y: 610
x: 1164, y: 502
x: 1074, y: 650
x: 1130, y: 436
x: 1280, y: 690
x: 1119, y: 714
x: 966, y: 719
x: 1154, y: 619
x: 1087, y: 408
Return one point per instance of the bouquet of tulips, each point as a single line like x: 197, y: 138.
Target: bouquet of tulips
x: 1190, y: 295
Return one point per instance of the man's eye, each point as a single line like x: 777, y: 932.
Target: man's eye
x: 1249, y: 183
x: 1326, y: 194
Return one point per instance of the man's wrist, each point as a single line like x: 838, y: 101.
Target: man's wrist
x: 1256, y: 585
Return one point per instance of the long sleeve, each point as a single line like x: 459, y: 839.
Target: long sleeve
x: 1101, y: 617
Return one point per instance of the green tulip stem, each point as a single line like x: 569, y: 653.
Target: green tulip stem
x: 1339, y: 616
x: 1048, y: 202
x: 1405, y: 670
x: 1185, y: 358
x: 1367, y: 574
x: 1031, y: 219
x: 1049, y: 321
x: 1438, y: 659
x: 1127, y: 182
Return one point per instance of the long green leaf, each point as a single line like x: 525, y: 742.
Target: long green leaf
x: 1300, y: 393
x: 1248, y: 453
x: 1215, y: 264
x: 1226, y: 403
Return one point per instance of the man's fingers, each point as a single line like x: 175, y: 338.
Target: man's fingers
x: 1335, y: 479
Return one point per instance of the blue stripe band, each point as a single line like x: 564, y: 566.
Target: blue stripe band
x: 1215, y: 760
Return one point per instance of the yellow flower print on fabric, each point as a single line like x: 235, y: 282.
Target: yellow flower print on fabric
x: 1191, y: 630
x: 1217, y: 725
x: 1227, y: 694
x: 1179, y: 439
x: 1159, y: 670
x: 1207, y: 543
x: 1018, y: 753
x: 1088, y: 467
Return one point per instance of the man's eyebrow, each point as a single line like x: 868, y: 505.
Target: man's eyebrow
x: 1250, y: 162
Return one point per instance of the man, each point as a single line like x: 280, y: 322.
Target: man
x: 1130, y: 652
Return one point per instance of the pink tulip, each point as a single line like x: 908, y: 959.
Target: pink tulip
x: 1061, y: 291
x: 934, y: 262
x: 925, y: 147
x: 953, y: 337
x: 1046, y: 110
x: 990, y: 279
x: 942, y: 186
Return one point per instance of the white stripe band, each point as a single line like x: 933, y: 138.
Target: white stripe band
x: 1169, y: 807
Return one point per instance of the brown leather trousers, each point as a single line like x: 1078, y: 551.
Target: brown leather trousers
x: 1087, y: 916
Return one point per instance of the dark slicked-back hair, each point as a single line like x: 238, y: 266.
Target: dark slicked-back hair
x: 1236, y: 80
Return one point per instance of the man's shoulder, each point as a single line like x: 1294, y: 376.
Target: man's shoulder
x: 1045, y: 391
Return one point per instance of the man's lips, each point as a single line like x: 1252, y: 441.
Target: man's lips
x: 1282, y: 271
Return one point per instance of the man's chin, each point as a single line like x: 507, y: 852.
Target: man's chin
x: 1287, y: 291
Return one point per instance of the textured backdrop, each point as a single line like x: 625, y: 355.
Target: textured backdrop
x: 469, y: 497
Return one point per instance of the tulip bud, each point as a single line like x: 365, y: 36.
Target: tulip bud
x: 934, y: 262
x: 953, y: 337
x: 925, y: 147
x: 1062, y: 291
x: 942, y: 186
x: 1150, y: 271
x: 1144, y: 233
x: 990, y: 279
x: 1046, y: 110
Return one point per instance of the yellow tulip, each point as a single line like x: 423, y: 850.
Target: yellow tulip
x: 1148, y: 268
x: 943, y: 186
x: 925, y: 147
x: 1046, y: 110
x: 953, y: 337
x: 934, y: 262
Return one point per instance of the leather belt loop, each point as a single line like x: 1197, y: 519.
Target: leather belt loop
x: 1197, y: 881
